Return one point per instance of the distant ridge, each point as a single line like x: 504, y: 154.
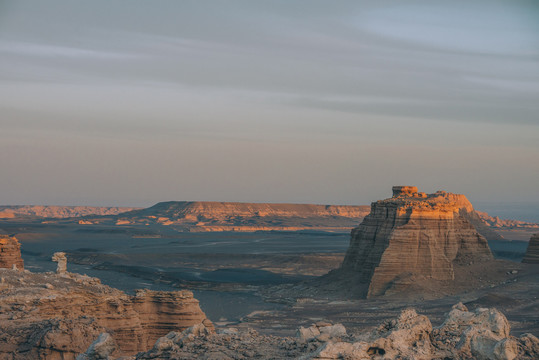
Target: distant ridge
x: 54, y: 211
x: 232, y: 216
x: 237, y: 216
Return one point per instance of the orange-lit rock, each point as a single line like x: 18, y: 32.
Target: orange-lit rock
x: 233, y: 216
x: 413, y: 234
x: 10, y: 253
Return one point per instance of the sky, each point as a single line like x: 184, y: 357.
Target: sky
x: 110, y: 102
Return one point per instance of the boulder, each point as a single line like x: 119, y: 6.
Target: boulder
x: 321, y: 331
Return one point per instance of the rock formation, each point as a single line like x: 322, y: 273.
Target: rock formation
x: 412, y: 234
x: 497, y: 222
x: 479, y: 334
x: 482, y: 334
x: 51, y: 316
x: 10, y: 253
x: 532, y: 253
x: 60, y: 258
x: 232, y: 216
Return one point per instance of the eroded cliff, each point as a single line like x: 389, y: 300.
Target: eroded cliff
x: 412, y: 234
x: 52, y: 316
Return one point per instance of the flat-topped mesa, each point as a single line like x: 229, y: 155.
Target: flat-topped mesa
x: 413, y: 235
x: 235, y: 216
x: 532, y: 253
x: 10, y: 253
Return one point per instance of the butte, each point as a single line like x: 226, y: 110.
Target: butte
x: 409, y: 240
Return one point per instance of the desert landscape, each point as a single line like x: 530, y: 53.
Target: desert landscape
x: 285, y: 179
x: 300, y: 288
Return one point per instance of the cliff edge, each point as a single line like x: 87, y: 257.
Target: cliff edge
x: 57, y: 316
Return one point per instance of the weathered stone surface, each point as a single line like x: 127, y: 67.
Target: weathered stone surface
x: 10, y: 253
x: 407, y: 337
x: 60, y: 258
x: 101, y: 349
x: 321, y: 332
x: 309, y: 333
x: 412, y: 234
x: 61, y: 320
x: 532, y: 253
x: 410, y: 336
x: 484, y: 334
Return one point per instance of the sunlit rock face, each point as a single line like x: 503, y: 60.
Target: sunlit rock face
x: 57, y: 316
x: 532, y: 253
x: 413, y: 233
x: 10, y: 253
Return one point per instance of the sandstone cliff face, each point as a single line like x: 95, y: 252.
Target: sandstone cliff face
x: 10, y: 253
x: 50, y: 316
x: 532, y: 253
x: 413, y: 234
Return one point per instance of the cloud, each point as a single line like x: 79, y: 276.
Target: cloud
x: 473, y: 28
x: 46, y: 51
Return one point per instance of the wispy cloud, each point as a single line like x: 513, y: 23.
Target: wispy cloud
x: 56, y: 51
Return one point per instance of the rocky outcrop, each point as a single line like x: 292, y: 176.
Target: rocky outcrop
x: 232, y: 216
x: 61, y: 259
x: 412, y: 234
x: 482, y: 334
x: 479, y: 334
x: 532, y: 253
x: 162, y: 311
x: 321, y: 331
x: 52, y: 316
x: 10, y: 253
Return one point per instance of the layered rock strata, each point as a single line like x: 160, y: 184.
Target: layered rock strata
x: 52, y: 316
x: 10, y: 253
x: 412, y: 234
x: 532, y: 253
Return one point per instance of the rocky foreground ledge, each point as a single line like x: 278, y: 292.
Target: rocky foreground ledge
x: 479, y: 334
x: 57, y: 316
